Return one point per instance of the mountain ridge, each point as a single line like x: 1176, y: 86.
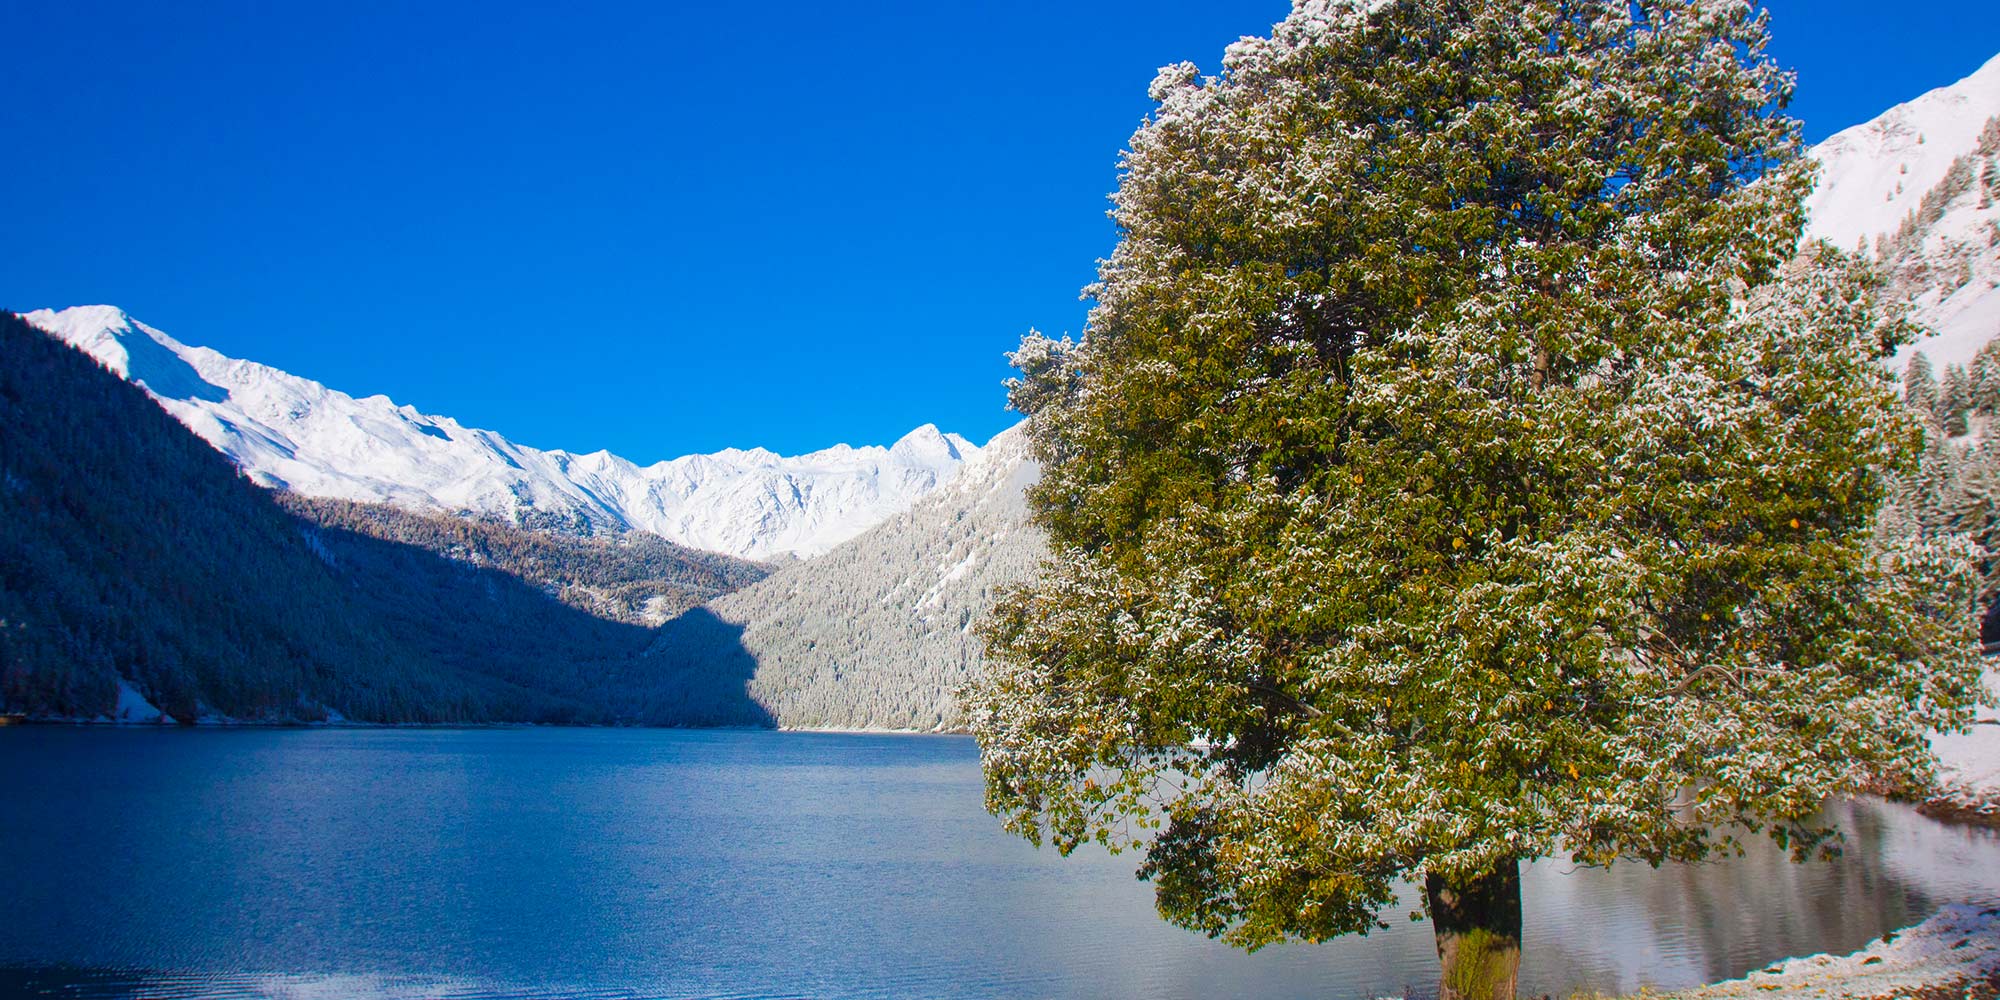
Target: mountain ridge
x: 1875, y: 174
x: 1917, y: 188
x: 144, y: 578
x: 291, y: 432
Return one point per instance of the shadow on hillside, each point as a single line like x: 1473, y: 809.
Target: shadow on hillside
x: 495, y: 628
x: 701, y: 657
x: 166, y: 373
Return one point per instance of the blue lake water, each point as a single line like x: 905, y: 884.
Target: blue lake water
x: 655, y: 863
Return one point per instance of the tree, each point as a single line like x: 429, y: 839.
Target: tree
x: 1954, y: 397
x: 1973, y: 506
x: 1981, y: 384
x: 1454, y: 471
x: 1920, y: 388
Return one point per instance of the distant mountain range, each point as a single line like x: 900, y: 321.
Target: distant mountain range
x: 293, y: 433
x: 142, y: 577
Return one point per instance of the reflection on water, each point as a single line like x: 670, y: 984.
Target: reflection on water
x: 625, y: 863
x: 1682, y: 925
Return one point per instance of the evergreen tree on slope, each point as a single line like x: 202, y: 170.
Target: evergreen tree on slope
x: 1920, y: 387
x: 1455, y: 471
x: 1954, y: 398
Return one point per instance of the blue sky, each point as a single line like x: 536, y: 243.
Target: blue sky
x: 653, y: 228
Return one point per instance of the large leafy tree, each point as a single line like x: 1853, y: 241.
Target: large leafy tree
x: 1461, y: 466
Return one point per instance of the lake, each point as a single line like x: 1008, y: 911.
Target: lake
x: 660, y: 863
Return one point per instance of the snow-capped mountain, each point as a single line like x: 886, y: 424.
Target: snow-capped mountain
x: 1919, y: 187
x: 1875, y: 174
x: 877, y: 634
x: 294, y: 433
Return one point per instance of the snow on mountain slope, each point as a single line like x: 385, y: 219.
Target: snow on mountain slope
x: 1919, y: 187
x: 877, y: 633
x: 290, y: 432
x: 1875, y: 174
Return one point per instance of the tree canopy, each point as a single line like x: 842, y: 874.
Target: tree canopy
x: 1462, y: 464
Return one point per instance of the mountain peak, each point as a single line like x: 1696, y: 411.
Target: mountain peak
x: 283, y: 429
x: 926, y: 445
x: 81, y: 318
x: 129, y: 348
x: 1874, y: 175
x: 747, y: 456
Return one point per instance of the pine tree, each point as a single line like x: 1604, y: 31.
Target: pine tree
x: 1983, y: 390
x: 1935, y: 482
x: 1973, y: 510
x: 1920, y: 388
x: 1954, y: 398
x: 1454, y: 472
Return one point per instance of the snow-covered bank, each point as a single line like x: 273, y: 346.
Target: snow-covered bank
x: 1970, y: 771
x: 1955, y: 953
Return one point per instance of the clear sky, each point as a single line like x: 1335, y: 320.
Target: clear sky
x: 657, y: 228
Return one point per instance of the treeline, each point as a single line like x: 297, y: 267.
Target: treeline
x: 1978, y: 169
x: 637, y: 578
x: 1966, y: 393
x: 1956, y: 487
x: 456, y: 607
x: 1939, y: 249
x: 132, y: 551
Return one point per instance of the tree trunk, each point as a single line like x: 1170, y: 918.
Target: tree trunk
x: 1478, y: 924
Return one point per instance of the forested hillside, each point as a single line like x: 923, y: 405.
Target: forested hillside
x: 877, y: 634
x: 131, y: 551
x: 637, y: 578
x: 1957, y: 483
x: 1943, y: 259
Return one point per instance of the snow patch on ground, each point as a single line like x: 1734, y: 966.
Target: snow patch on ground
x: 1970, y: 768
x: 134, y: 708
x: 947, y: 574
x: 1959, y: 946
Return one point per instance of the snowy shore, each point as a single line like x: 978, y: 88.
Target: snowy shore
x: 1971, y: 770
x: 1954, y: 954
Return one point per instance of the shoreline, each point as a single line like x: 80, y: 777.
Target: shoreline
x: 214, y: 722
x: 1968, y: 808
x: 1953, y: 955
